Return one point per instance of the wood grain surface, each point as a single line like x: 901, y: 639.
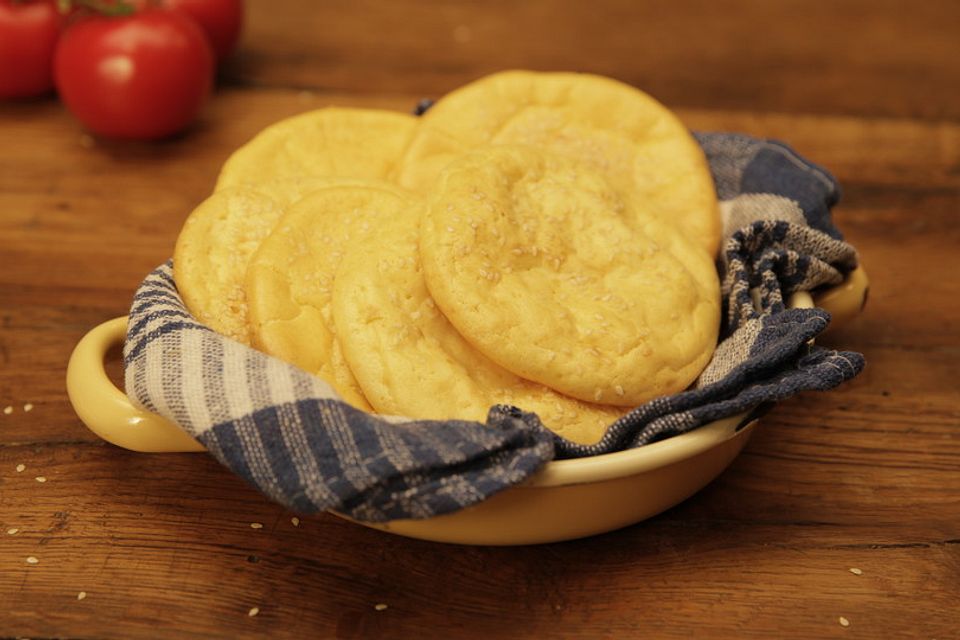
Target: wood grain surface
x: 865, y: 477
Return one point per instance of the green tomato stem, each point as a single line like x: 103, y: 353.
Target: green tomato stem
x: 111, y: 8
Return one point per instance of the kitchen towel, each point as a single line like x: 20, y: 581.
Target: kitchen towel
x: 287, y: 433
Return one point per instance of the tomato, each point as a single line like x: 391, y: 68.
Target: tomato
x: 222, y: 20
x: 140, y: 76
x: 28, y: 35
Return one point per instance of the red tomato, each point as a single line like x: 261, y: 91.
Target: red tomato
x: 28, y: 35
x: 140, y: 76
x: 222, y: 20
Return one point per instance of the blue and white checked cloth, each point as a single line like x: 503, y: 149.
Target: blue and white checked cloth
x: 285, y: 431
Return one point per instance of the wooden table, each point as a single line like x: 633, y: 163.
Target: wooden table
x: 840, y: 519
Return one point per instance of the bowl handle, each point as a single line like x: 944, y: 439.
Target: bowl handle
x: 106, y: 410
x: 846, y: 300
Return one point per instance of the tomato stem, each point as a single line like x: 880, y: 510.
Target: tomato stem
x: 114, y: 8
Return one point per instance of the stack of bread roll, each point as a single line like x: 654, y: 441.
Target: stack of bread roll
x: 543, y: 240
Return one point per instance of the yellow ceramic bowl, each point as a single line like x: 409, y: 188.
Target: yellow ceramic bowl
x: 566, y: 499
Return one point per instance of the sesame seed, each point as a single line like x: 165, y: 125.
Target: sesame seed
x: 844, y: 622
x: 295, y: 521
x: 12, y: 531
x: 21, y: 468
x: 32, y: 560
x: 598, y: 394
x: 449, y: 229
x: 41, y: 479
x: 256, y: 525
x: 253, y: 611
x: 27, y: 408
x: 380, y: 607
x: 619, y: 390
x: 856, y: 572
x: 8, y: 409
x: 81, y: 595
